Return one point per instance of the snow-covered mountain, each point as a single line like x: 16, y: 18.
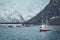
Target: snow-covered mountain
x: 13, y: 17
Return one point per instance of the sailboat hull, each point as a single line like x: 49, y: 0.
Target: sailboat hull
x: 44, y: 30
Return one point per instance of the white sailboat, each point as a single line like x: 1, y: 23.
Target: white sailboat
x: 45, y: 26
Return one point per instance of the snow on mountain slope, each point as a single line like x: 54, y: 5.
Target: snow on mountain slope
x: 13, y: 17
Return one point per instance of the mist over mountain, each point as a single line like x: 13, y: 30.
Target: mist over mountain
x: 11, y: 10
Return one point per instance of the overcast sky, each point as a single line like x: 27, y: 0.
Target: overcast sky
x: 27, y: 8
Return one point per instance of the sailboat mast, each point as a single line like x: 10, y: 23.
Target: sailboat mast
x: 42, y: 19
x: 47, y: 22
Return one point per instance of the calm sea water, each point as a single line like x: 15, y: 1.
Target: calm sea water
x: 29, y: 33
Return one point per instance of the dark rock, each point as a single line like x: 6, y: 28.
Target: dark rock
x: 51, y: 10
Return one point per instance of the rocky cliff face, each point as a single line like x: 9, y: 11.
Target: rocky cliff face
x: 51, y: 10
